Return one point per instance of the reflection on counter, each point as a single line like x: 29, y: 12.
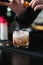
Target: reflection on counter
x: 18, y: 60
x: 8, y: 58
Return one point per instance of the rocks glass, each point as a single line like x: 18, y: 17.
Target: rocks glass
x: 21, y: 38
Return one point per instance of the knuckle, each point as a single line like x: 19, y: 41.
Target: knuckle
x: 35, y: 1
x: 37, y: 7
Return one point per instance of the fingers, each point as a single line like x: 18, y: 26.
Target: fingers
x: 38, y: 7
x: 36, y: 4
x: 31, y: 3
x: 22, y: 1
x: 4, y: 3
x: 17, y: 1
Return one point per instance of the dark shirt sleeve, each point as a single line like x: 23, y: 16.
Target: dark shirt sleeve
x: 27, y: 17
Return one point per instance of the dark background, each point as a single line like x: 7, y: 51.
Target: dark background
x: 24, y: 20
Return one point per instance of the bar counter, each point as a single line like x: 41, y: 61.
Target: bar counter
x: 14, y: 56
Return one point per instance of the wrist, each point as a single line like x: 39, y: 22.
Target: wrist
x: 20, y: 14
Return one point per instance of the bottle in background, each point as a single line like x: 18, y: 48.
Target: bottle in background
x: 11, y: 17
x: 0, y: 30
x: 4, y: 28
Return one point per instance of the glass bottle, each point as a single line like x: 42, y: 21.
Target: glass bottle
x: 4, y: 28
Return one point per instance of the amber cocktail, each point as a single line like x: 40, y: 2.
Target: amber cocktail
x: 21, y: 39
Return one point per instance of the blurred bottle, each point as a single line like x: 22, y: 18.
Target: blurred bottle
x: 13, y: 24
x: 3, y: 28
x: 0, y: 30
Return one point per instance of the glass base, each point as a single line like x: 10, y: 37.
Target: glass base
x: 22, y: 47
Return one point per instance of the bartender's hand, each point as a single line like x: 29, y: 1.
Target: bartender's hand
x: 36, y: 4
x: 15, y: 5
